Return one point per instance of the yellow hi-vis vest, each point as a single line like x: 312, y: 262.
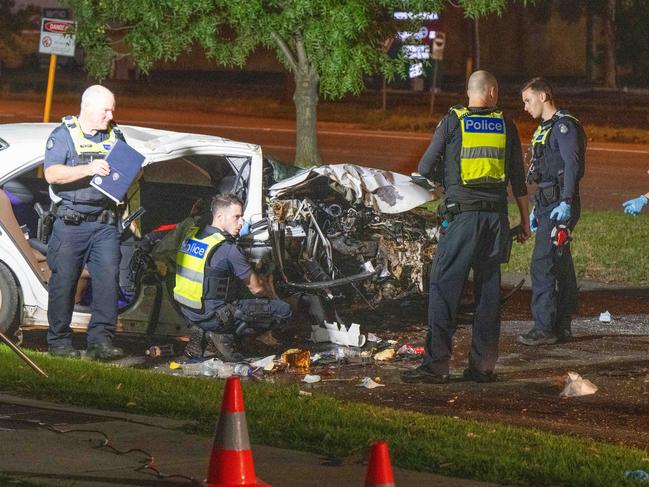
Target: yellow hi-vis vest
x: 541, y: 133
x: 484, y: 138
x: 84, y: 146
x: 191, y: 259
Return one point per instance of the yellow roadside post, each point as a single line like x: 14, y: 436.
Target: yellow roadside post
x: 55, y: 41
x: 50, y: 89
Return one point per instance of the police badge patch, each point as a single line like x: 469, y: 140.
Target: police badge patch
x: 50, y: 143
x: 563, y: 128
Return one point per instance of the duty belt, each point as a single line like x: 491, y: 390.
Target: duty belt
x: 490, y: 206
x: 73, y: 217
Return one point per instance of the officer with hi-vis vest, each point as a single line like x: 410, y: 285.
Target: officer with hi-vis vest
x: 85, y: 229
x: 211, y: 270
x: 475, y: 154
x: 557, y: 165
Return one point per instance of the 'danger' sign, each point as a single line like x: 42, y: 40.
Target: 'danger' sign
x: 55, y: 38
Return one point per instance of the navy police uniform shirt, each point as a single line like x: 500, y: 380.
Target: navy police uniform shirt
x: 228, y: 261
x: 59, y: 149
x: 441, y: 162
x: 568, y: 138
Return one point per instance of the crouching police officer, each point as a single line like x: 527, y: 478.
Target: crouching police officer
x: 475, y: 152
x: 209, y: 269
x: 558, y: 160
x: 85, y: 229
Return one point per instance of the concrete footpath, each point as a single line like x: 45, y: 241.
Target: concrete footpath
x: 31, y: 452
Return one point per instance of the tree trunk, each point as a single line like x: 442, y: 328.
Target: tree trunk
x: 306, y: 119
x: 591, y: 46
x: 476, y: 44
x: 610, y: 61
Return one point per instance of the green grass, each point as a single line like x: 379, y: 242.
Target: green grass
x: 278, y: 416
x: 607, y: 246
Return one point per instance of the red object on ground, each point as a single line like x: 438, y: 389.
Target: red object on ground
x: 231, y: 462
x: 379, y: 468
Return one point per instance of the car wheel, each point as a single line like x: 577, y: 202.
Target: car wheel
x: 8, y: 299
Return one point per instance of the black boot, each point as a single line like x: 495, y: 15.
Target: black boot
x: 222, y: 346
x: 195, y: 347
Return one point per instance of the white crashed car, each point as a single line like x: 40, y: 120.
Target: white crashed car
x: 339, y: 230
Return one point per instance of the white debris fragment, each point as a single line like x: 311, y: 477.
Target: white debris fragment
x: 311, y: 379
x: 577, y: 386
x: 368, y: 383
x: 331, y: 332
x: 371, y: 337
x: 265, y: 363
x: 605, y: 317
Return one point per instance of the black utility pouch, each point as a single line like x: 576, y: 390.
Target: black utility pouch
x: 548, y: 193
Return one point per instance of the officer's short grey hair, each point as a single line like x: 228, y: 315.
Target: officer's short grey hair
x: 540, y: 85
x: 223, y: 201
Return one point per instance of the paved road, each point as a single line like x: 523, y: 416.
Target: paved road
x: 615, y: 172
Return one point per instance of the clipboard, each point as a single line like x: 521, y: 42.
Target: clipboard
x: 125, y: 164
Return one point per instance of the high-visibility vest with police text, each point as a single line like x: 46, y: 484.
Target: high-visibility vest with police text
x: 191, y: 259
x: 482, y: 156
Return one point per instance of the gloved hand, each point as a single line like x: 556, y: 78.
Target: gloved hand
x: 245, y: 229
x: 534, y: 225
x: 634, y: 206
x: 561, y: 213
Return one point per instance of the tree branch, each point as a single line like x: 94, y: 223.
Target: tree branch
x: 301, y: 53
x: 286, y: 51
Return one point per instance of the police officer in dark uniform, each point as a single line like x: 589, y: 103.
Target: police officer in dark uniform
x: 210, y: 269
x: 557, y: 165
x: 85, y: 229
x: 475, y: 153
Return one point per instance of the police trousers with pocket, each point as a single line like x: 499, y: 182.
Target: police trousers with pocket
x: 249, y: 316
x: 474, y: 240
x: 554, y: 283
x: 70, y: 248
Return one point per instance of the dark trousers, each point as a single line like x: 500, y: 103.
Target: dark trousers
x: 554, y: 283
x: 253, y: 315
x: 473, y: 240
x: 70, y: 248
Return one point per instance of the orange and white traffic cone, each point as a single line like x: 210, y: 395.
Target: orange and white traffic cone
x: 231, y: 462
x: 379, y: 468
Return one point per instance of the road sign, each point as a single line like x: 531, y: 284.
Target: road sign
x: 54, y: 37
x: 439, y: 41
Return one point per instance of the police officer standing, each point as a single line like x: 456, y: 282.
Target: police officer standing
x: 557, y: 165
x: 85, y: 229
x: 475, y: 153
x: 210, y: 269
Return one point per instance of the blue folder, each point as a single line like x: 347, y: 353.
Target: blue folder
x: 125, y: 164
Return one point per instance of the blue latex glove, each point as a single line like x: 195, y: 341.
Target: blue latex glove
x: 534, y: 225
x: 561, y: 213
x: 245, y: 229
x: 635, y: 206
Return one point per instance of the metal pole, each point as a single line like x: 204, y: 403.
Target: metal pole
x: 22, y: 355
x: 433, y: 88
x: 50, y: 88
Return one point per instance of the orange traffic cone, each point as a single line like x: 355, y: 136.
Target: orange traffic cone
x: 231, y: 462
x: 379, y: 469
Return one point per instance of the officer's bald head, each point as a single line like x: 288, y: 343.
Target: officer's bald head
x: 97, y: 106
x: 96, y: 94
x: 482, y: 89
